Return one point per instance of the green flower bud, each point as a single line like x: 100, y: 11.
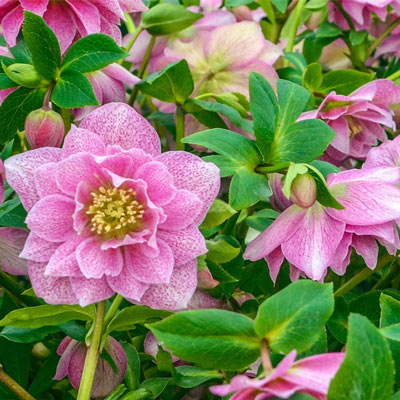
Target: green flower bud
x: 23, y: 74
x: 303, y: 191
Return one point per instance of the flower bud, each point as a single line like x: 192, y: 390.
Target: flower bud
x: 23, y: 74
x: 278, y: 200
x: 73, y: 354
x: 303, y: 191
x: 44, y: 128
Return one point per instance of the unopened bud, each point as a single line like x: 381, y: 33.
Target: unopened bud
x: 303, y: 191
x: 23, y: 74
x: 40, y: 351
x: 44, y: 128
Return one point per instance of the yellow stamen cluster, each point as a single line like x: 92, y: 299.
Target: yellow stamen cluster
x: 114, y: 212
x: 354, y: 127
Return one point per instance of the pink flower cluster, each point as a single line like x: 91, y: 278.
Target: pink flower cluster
x: 109, y: 214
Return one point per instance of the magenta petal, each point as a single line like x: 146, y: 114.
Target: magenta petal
x: 151, y: 270
x: 88, y: 15
x: 186, y: 244
x: 82, y: 140
x: 11, y: 25
x: 52, y: 290
x: 274, y: 261
x: 95, y: 262
x: 201, y: 300
x: 51, y: 218
x: 62, y: 347
x: 90, y: 291
x: 181, y: 211
x: 45, y: 180
x: 367, y: 248
x: 12, y: 241
x: 177, y: 293
x: 312, y: 248
x: 193, y: 174
x: 20, y: 171
x: 341, y: 258
x: 38, y: 249
x: 66, y: 350
x: 118, y: 123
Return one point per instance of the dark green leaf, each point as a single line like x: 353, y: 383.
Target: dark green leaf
x: 190, y: 377
x: 23, y: 335
x: 132, y: 377
x: 6, y: 82
x: 337, y: 323
x: 312, y: 77
x: 44, y: 378
x: 155, y: 385
x: 344, y: 81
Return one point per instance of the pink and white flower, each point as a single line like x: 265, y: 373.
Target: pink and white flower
x: 358, y: 119
x: 108, y: 213
x: 72, y: 360
x: 314, y: 238
x: 69, y: 19
x: 311, y: 375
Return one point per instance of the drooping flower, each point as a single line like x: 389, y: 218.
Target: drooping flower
x: 72, y: 360
x: 314, y: 238
x: 358, y: 118
x: 385, y: 155
x: 12, y: 241
x: 69, y: 19
x: 108, y: 213
x: 311, y: 375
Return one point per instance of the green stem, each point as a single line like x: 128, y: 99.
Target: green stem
x: 345, y: 15
x: 363, y: 275
x: 112, y: 310
x: 265, y: 358
x: 180, y: 128
x: 130, y: 26
x: 382, y: 37
x: 7, y: 381
x: 274, y: 168
x: 132, y: 40
x: 15, y: 289
x: 66, y: 116
x: 298, y: 10
x: 394, y: 76
x: 92, y: 355
x: 142, y: 69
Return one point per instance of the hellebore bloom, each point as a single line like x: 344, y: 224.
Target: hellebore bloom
x: 221, y: 59
x: 108, y: 213
x: 311, y: 375
x: 69, y: 19
x: 314, y: 238
x: 72, y: 359
x: 12, y: 241
x: 385, y: 155
x: 357, y: 118
x: 2, y: 176
x: 44, y: 128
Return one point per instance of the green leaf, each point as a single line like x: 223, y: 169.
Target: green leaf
x: 356, y: 38
x: 91, y: 53
x: 15, y: 108
x: 43, y: 45
x: 337, y: 323
x: 281, y: 5
x: 6, y: 82
x: 23, y: 335
x: 328, y: 30
x: 316, y: 4
x: 293, y: 318
x: 155, y: 385
x: 262, y: 219
x: 344, y: 81
x: 167, y: 18
x: 218, y: 213
x: 129, y: 316
x: 173, y: 84
x: 312, y: 77
x: 43, y: 380
x: 222, y: 250
x: 73, y: 90
x: 46, y: 315
x: 132, y: 377
x: 189, y: 377
x: 215, y: 339
x: 367, y: 370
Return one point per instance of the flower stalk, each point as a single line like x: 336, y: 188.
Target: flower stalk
x: 7, y: 381
x: 180, y: 128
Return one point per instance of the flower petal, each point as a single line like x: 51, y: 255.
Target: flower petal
x: 367, y: 248
x: 82, y: 140
x: 12, y: 241
x: 38, y: 249
x: 90, y: 291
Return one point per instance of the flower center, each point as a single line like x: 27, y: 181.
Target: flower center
x: 114, y: 212
x: 354, y: 127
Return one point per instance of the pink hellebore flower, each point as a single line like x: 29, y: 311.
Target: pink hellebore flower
x: 221, y: 59
x: 357, y: 118
x: 311, y: 375
x: 12, y: 241
x: 314, y: 238
x: 108, y: 213
x: 69, y: 19
x: 360, y: 11
x: 72, y: 359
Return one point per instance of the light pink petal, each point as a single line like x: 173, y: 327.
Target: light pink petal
x: 37, y: 249
x: 387, y: 92
x: 381, y: 174
x: 281, y: 229
x: 192, y: 173
x: 151, y: 270
x: 386, y: 231
x: 62, y: 347
x: 82, y: 140
x: 2, y: 177
x: 181, y: 211
x: 132, y: 5
x: 90, y: 291
x: 201, y: 300
x: 95, y: 262
x: 186, y: 244
x: 111, y: 30
x: 65, y: 350
x: 316, y: 372
x: 120, y: 73
x: 88, y: 15
x: 274, y: 261
x: 385, y: 155
x: 118, y: 123
x: 341, y: 257
x: 63, y: 262
x: 36, y: 6
x: 20, y: 171
x: 177, y: 293
x: 52, y: 290
x: 45, y: 180
x: 312, y: 248
x: 11, y: 25
x: 341, y: 141
x: 51, y: 218
x: 367, y: 248
x: 160, y: 183
x: 214, y: 18
x: 12, y: 241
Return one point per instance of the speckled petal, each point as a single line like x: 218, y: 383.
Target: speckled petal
x: 38, y: 249
x: 12, y: 241
x: 90, y: 291
x: 82, y: 140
